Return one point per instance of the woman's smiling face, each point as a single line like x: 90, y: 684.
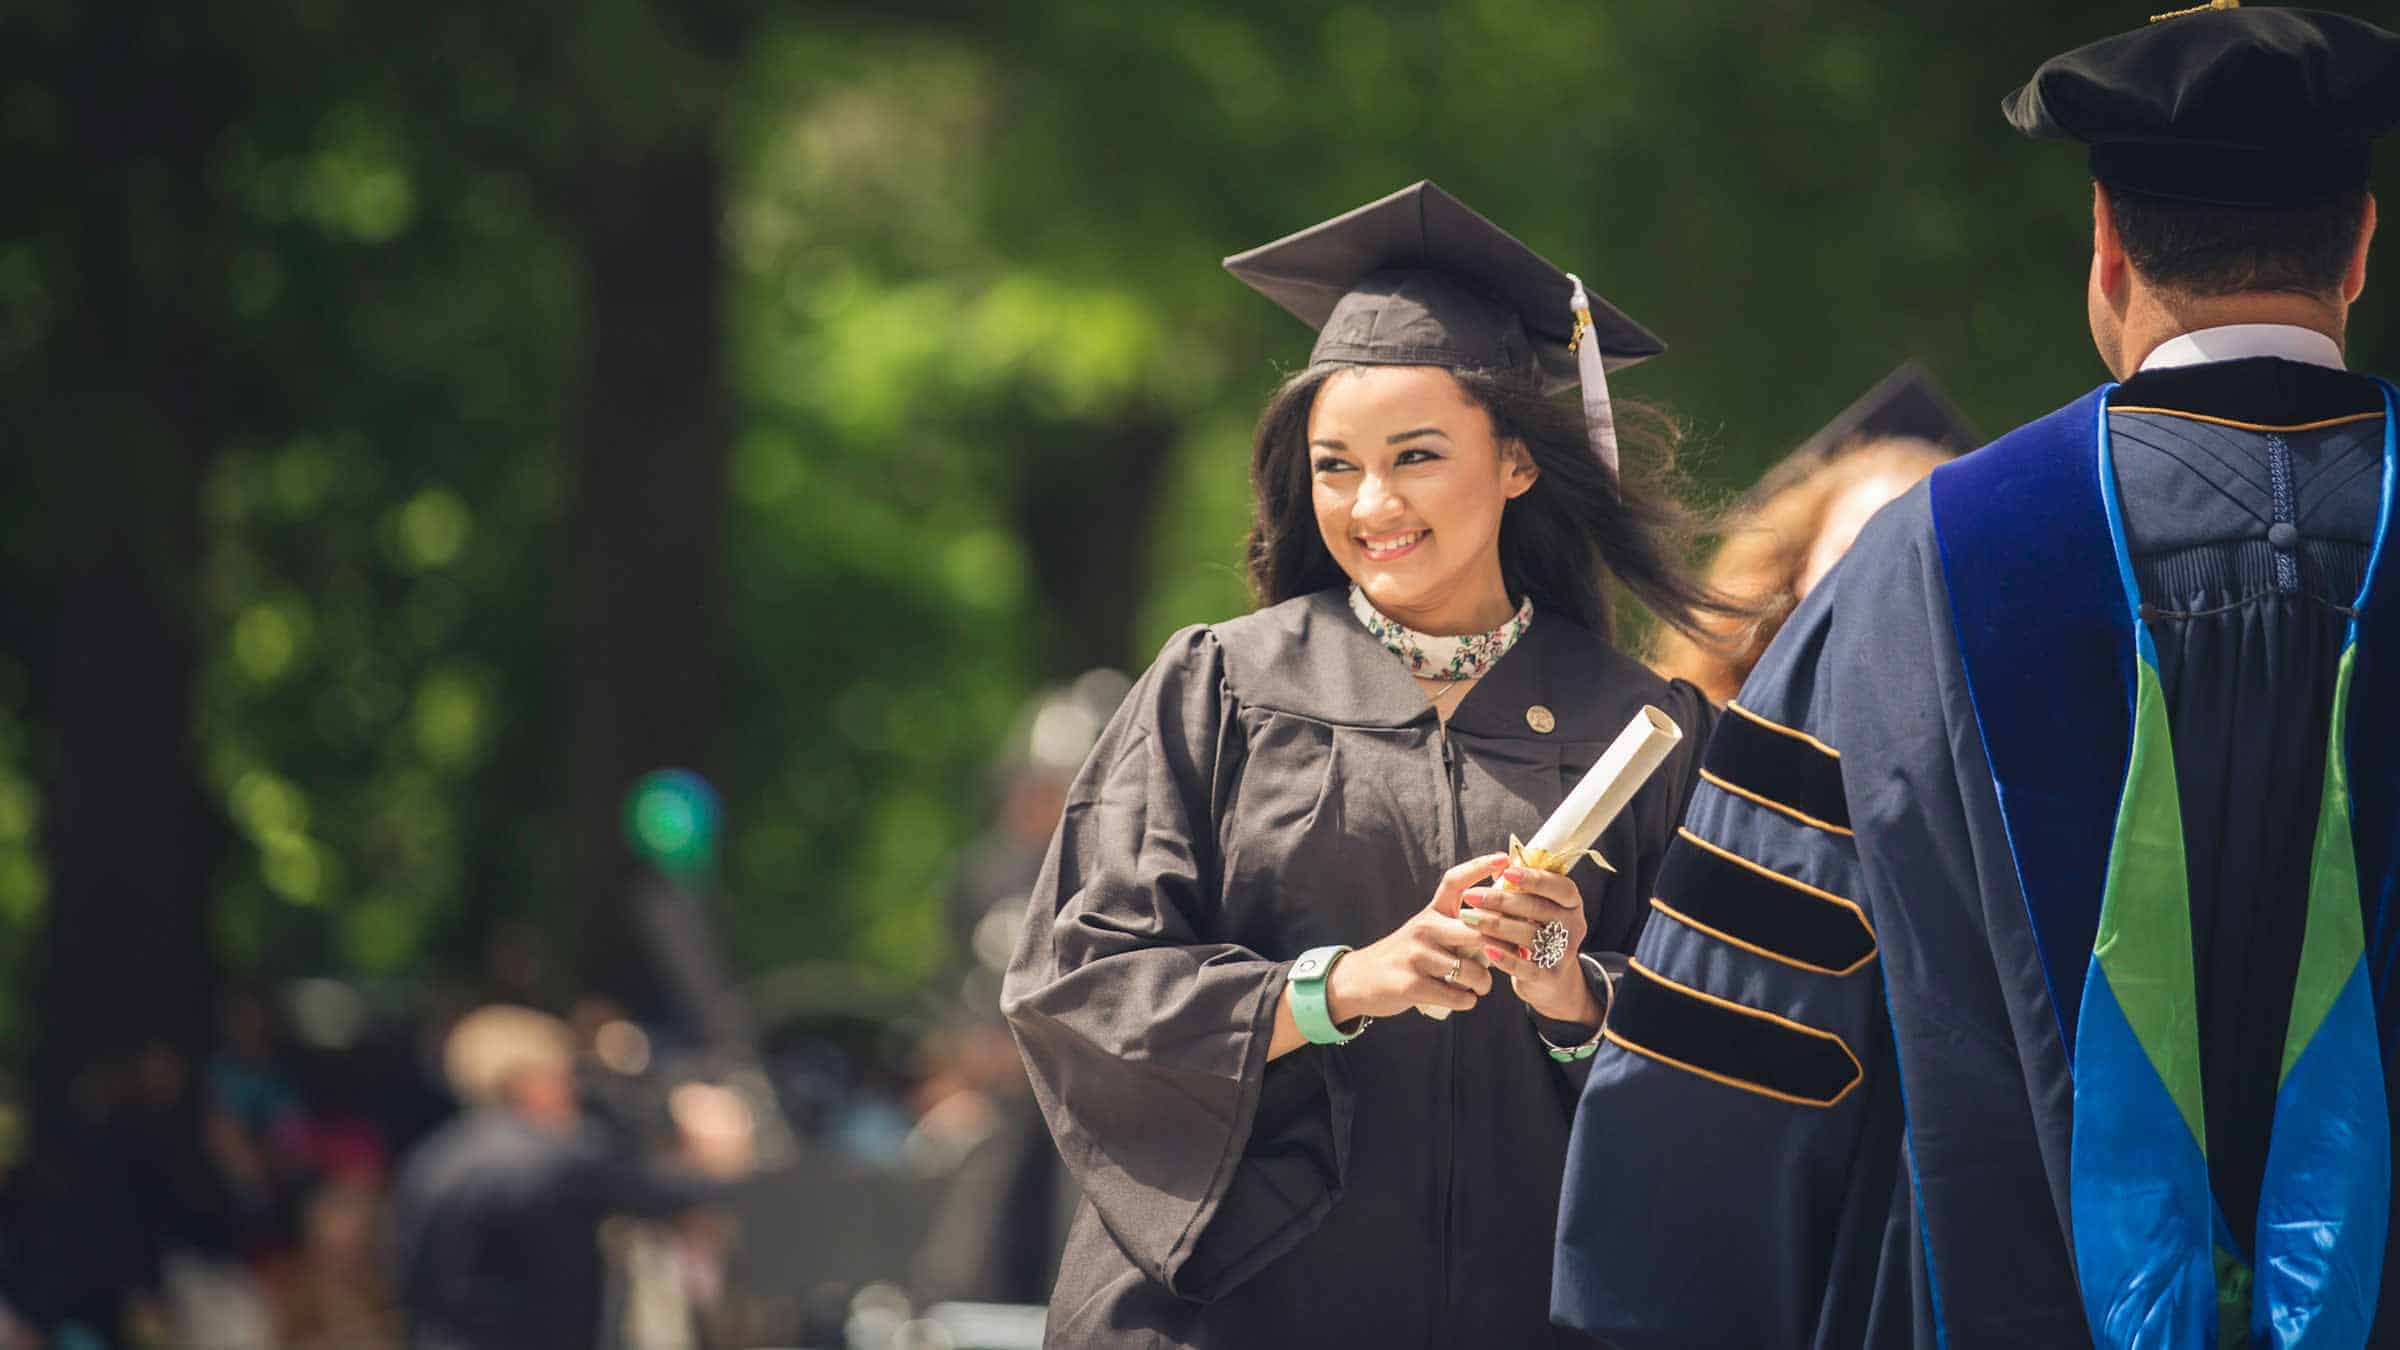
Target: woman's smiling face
x: 1409, y: 485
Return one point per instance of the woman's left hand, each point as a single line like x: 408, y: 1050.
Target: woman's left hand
x: 1508, y: 921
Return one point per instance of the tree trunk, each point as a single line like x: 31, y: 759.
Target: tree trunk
x: 643, y: 585
x: 1091, y: 567
x: 132, y: 418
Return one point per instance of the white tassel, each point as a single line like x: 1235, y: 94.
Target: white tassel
x: 1598, y: 421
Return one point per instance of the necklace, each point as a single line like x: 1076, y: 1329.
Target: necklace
x: 1449, y: 687
x: 1432, y: 656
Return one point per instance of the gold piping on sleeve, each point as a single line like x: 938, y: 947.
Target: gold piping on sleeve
x: 1755, y: 950
x: 1794, y: 732
x: 2249, y: 426
x: 1858, y: 1072
x: 1771, y: 804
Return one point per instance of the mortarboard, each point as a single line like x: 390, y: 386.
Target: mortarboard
x: 1418, y: 278
x: 1906, y: 402
x: 2223, y: 105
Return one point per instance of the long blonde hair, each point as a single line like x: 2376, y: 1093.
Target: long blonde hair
x: 1766, y: 539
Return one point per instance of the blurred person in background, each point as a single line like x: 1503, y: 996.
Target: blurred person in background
x: 996, y: 872
x: 1788, y: 530
x: 2028, y: 981
x: 496, y: 1218
x: 1270, y: 1151
x: 613, y: 1058
x: 118, y: 1223
x: 74, y: 1267
x: 995, y: 1234
x: 333, y: 1287
x: 255, y: 1127
x: 338, y: 1293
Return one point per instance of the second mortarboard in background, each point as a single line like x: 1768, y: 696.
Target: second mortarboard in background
x: 2223, y: 105
x: 1907, y: 405
x: 1418, y: 278
x: 1908, y: 402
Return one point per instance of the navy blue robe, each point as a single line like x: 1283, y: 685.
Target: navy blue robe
x: 1837, y: 1103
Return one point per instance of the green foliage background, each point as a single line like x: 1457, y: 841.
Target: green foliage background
x: 956, y: 239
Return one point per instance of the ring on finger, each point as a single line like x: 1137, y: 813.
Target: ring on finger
x: 1550, y: 945
x: 1457, y: 963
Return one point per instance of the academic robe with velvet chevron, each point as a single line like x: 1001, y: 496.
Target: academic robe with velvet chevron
x: 1838, y: 1103
x: 1273, y: 784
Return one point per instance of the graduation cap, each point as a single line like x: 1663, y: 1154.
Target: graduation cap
x: 1907, y: 402
x: 2223, y: 105
x: 1418, y: 278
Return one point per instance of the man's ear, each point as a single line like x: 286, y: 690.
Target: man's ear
x: 1518, y: 469
x: 2354, y: 280
x: 2110, y: 266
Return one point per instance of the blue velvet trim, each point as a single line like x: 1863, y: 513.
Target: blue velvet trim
x: 2143, y: 1217
x: 2112, y: 506
x: 2374, y: 746
x: 2326, y: 1202
x: 2375, y: 814
x: 2012, y: 520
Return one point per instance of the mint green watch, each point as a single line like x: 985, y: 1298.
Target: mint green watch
x: 1308, y: 998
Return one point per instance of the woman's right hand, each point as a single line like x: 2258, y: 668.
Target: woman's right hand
x: 1405, y: 968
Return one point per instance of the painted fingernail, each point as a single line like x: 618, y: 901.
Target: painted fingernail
x: 1514, y: 874
x: 1497, y: 953
x: 1470, y: 917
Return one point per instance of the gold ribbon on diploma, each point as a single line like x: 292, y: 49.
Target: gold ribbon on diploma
x: 1547, y: 860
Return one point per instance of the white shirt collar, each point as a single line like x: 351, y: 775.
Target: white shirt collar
x: 2234, y: 341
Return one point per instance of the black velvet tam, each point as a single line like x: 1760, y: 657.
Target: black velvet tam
x: 1418, y: 278
x: 1907, y: 402
x: 2238, y: 107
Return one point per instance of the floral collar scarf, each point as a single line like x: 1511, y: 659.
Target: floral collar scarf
x: 1431, y: 657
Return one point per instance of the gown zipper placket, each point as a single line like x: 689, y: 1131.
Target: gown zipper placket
x: 1449, y: 1156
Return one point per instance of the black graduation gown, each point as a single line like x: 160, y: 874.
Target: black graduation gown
x: 1273, y: 784
x: 1845, y: 1106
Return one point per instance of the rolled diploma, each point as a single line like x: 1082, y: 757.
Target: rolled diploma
x: 1603, y: 791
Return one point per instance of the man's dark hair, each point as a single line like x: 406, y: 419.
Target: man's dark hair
x: 2203, y: 249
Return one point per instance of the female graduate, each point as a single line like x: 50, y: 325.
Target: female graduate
x: 1295, y: 829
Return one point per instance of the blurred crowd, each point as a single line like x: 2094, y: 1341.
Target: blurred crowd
x: 432, y: 1166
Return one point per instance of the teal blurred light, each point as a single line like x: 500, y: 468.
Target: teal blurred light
x: 671, y: 820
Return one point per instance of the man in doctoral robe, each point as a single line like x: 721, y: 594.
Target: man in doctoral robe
x: 2021, y: 976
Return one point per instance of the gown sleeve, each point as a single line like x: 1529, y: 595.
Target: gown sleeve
x: 1145, y: 1034
x: 1712, y: 1160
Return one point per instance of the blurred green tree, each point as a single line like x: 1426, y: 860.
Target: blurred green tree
x: 430, y: 418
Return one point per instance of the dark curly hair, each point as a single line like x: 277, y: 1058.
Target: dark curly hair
x: 1560, y: 542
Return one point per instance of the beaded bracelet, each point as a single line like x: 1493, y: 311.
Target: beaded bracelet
x: 1596, y: 975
